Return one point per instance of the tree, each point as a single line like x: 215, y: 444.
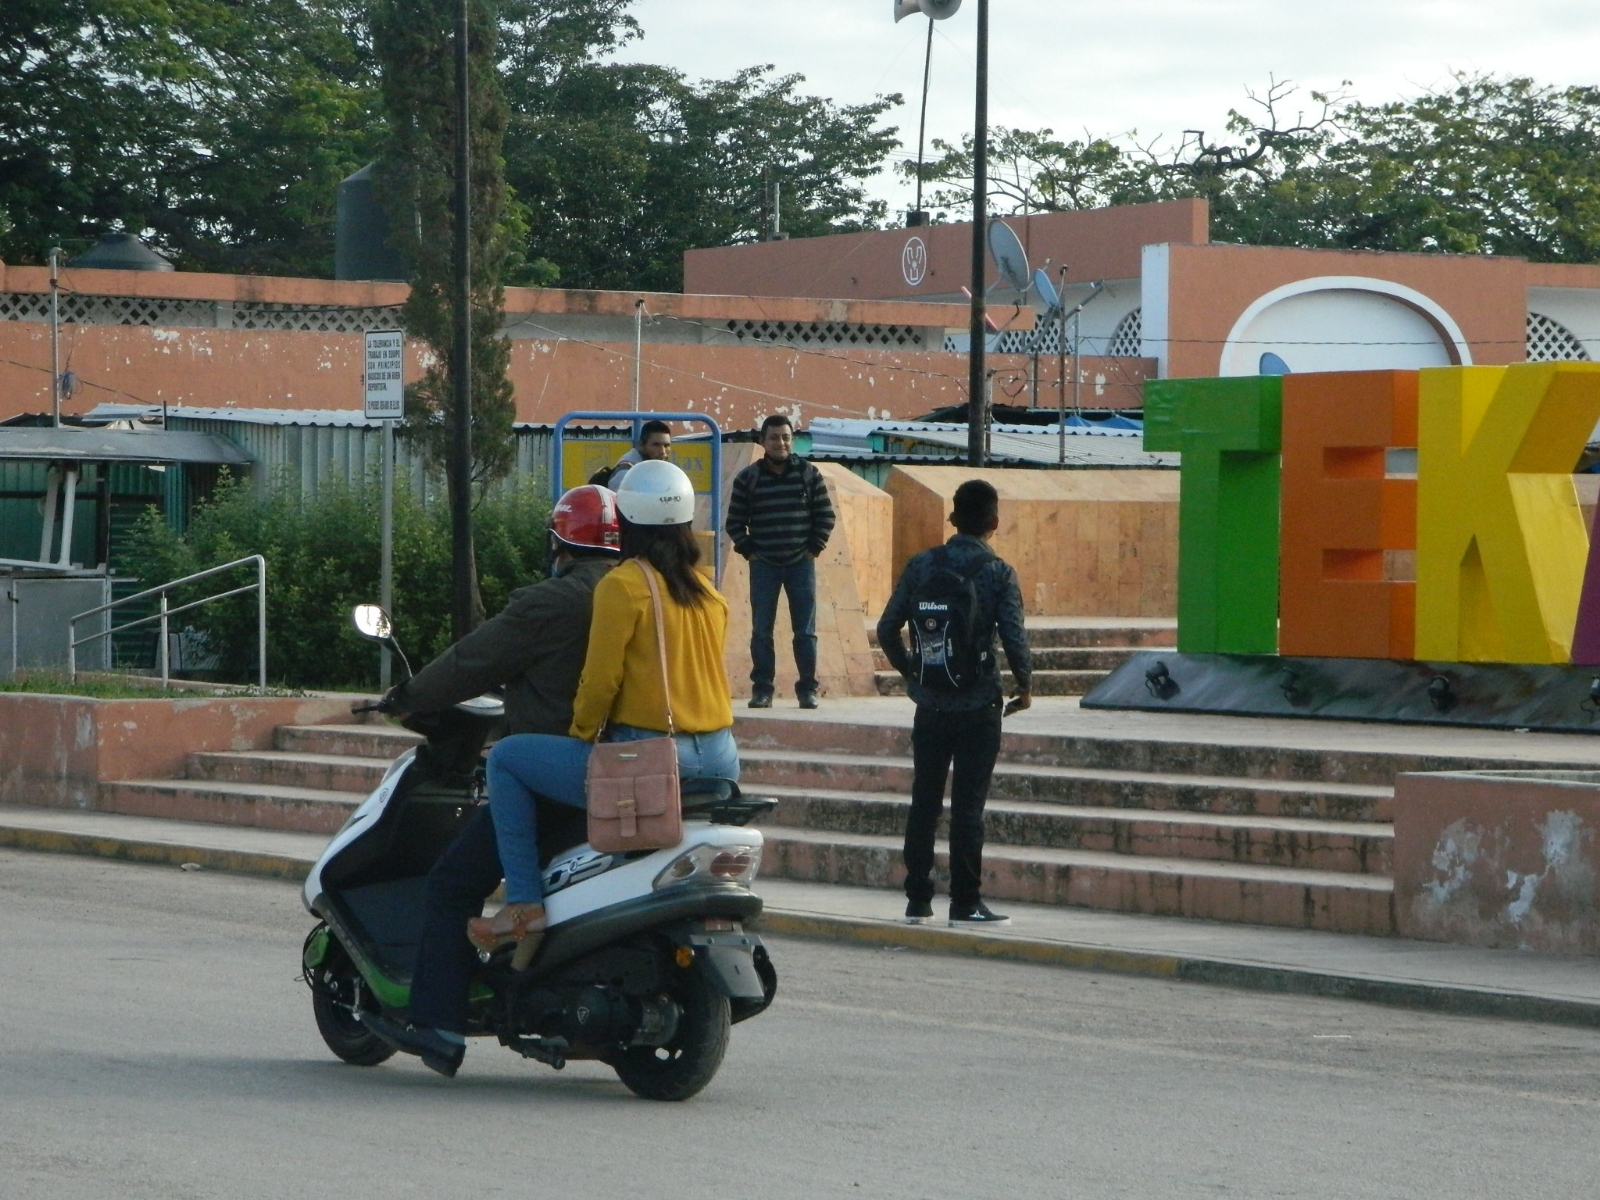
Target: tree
x: 1491, y: 165
x: 624, y: 166
x: 414, y: 42
x: 217, y: 130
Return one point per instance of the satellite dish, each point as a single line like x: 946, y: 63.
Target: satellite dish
x: 1045, y: 289
x: 1010, y: 259
x: 936, y: 10
x: 1271, y: 364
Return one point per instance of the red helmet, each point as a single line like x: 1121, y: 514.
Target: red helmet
x: 586, y: 517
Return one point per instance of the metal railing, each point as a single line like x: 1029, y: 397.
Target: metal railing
x: 259, y: 586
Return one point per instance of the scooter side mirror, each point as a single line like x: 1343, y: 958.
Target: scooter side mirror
x: 372, y: 622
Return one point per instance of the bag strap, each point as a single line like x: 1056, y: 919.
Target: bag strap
x: 661, y: 638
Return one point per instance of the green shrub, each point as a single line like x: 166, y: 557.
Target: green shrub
x: 323, y: 559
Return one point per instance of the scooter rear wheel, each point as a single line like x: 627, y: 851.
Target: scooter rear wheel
x: 684, y: 1066
x: 347, y: 1037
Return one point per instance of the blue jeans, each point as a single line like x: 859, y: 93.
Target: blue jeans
x: 557, y: 768
x: 800, y: 581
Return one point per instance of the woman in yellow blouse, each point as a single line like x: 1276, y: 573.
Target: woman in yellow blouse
x: 621, y: 691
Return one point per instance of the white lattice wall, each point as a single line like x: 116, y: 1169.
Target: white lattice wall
x: 1551, y: 341
x: 79, y: 309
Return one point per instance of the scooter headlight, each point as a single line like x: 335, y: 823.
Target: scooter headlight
x: 712, y: 864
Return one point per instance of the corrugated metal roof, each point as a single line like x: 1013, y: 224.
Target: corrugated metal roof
x: 1043, y: 446
x: 118, y: 445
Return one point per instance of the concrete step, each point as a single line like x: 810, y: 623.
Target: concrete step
x: 387, y: 742
x: 1145, y: 753
x: 1259, y: 895
x: 1047, y: 633
x: 1094, y: 658
x: 1083, y: 786
x: 288, y: 768
x: 1338, y: 846
x: 1045, y: 683
x: 265, y: 806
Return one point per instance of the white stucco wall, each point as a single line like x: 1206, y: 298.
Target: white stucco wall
x: 1344, y: 324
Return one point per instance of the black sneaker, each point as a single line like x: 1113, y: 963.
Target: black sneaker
x: 761, y: 700
x: 437, y: 1053
x: 919, y: 912
x: 808, y: 700
x: 975, y: 914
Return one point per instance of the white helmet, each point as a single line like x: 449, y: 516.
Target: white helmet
x: 656, y: 492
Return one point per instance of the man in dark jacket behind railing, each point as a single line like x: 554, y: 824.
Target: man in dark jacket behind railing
x: 535, y: 649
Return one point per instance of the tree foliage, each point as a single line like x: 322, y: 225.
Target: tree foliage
x: 414, y: 42
x: 216, y: 129
x: 1490, y: 165
x: 220, y: 130
x: 625, y: 166
x: 322, y: 559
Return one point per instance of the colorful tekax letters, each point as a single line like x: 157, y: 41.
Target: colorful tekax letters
x: 1500, y: 543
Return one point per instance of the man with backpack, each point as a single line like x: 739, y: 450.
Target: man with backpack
x: 955, y: 597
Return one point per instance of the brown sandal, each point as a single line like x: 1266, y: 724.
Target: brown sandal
x: 522, y: 924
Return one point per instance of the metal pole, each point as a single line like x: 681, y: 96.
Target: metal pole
x: 461, y: 564
x: 638, y: 355
x: 16, y: 609
x: 51, y: 490
x: 166, y: 663
x: 922, y: 125
x: 976, y: 375
x: 55, y: 337
x: 1061, y: 368
x: 69, y: 505
x: 386, y: 552
x: 1077, y: 361
x: 261, y: 621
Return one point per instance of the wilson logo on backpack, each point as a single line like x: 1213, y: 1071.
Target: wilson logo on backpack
x: 946, y: 651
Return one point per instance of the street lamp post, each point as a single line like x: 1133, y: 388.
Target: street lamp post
x: 461, y: 564
x: 976, y: 378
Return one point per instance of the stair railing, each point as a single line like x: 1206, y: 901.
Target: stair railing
x: 258, y: 585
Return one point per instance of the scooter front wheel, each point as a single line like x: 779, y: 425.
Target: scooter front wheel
x: 331, y: 999
x: 682, y: 1067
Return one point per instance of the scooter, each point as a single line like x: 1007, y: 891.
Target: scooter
x: 645, y: 962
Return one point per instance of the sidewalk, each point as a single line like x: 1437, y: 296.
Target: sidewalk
x: 1510, y: 984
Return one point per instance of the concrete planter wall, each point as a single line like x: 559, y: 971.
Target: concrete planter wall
x: 56, y: 750
x: 1499, y: 858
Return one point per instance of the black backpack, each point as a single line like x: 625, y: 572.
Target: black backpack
x: 944, y: 627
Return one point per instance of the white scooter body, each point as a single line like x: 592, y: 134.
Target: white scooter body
x: 577, y: 882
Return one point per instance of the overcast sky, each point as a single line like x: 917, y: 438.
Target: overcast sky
x: 1155, y: 66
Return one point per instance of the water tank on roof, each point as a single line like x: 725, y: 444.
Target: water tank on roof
x: 361, y: 247
x: 121, y: 252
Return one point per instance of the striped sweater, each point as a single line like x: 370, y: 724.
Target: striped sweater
x: 779, y: 517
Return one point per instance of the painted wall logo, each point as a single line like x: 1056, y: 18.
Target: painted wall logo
x: 914, y: 261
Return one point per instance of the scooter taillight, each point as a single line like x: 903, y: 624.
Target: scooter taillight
x: 720, y: 864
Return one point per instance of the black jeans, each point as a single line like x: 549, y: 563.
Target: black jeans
x: 463, y: 878
x: 972, y: 740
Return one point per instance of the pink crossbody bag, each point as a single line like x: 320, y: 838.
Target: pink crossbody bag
x: 634, y: 803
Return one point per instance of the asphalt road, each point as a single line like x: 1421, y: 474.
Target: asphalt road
x: 154, y: 1043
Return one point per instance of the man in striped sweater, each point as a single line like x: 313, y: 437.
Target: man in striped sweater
x: 779, y: 518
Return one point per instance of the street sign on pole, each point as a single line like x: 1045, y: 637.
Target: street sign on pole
x: 384, y: 390
x: 384, y: 387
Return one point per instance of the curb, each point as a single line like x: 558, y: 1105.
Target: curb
x: 1255, y: 977
x: 236, y: 862
x: 1150, y: 964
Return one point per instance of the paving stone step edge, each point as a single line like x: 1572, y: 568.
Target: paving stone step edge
x: 1151, y: 755
x: 1241, y: 894
x: 1286, y: 843
x: 1007, y: 947
x: 871, y: 776
x: 1086, y: 637
x: 1042, y: 683
x: 1147, y: 755
x: 1133, y: 835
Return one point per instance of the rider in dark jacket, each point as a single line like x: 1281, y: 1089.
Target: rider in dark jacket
x: 535, y: 647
